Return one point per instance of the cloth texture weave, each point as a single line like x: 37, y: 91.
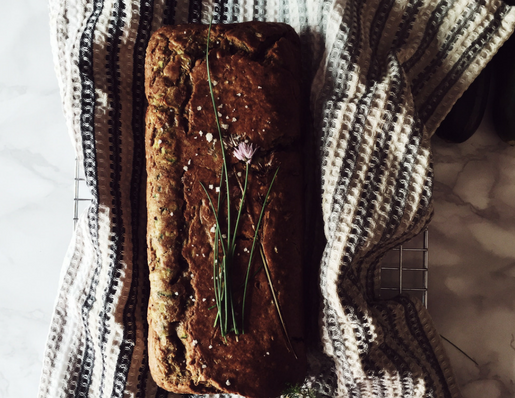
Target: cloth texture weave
x: 381, y: 76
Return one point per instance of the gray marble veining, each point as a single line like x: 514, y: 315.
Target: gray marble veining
x: 472, y: 260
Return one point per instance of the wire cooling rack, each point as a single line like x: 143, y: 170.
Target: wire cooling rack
x: 81, y: 193
x: 403, y: 270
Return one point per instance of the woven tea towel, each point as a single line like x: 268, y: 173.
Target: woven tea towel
x: 382, y: 76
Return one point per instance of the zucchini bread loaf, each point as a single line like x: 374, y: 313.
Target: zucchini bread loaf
x: 255, y: 76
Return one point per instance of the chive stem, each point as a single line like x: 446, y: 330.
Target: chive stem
x: 213, y: 101
x: 276, y: 302
x: 252, y: 251
x: 242, y: 202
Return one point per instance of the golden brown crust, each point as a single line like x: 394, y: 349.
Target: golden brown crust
x: 255, y: 69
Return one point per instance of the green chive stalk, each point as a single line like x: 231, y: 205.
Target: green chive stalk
x: 252, y: 249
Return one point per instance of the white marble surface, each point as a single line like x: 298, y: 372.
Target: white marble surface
x: 472, y: 237
x: 36, y: 180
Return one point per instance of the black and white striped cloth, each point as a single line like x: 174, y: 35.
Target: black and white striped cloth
x: 382, y: 76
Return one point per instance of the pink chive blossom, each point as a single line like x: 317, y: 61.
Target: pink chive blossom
x: 244, y: 152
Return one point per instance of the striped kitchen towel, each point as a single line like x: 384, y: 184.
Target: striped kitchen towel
x: 381, y: 76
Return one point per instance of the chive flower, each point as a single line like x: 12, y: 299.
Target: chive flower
x: 245, y: 152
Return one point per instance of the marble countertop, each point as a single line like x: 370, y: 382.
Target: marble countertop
x: 472, y: 260
x: 471, y: 240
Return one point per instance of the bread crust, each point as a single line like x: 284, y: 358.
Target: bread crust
x: 255, y: 68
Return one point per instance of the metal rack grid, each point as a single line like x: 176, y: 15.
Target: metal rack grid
x: 81, y: 193
x: 403, y: 270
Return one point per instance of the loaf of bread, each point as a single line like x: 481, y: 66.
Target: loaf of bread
x: 255, y: 73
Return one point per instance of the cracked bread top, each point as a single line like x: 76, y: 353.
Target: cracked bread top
x: 256, y: 83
